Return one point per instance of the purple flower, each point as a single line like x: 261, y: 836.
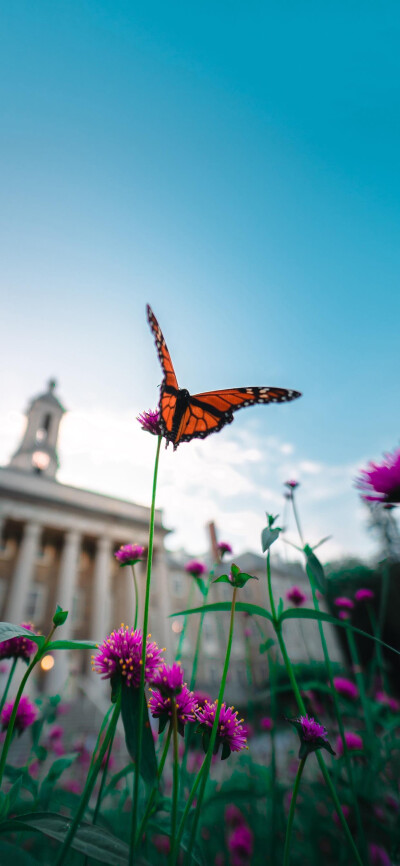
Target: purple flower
x: 364, y: 595
x: 345, y: 687
x: 291, y: 484
x: 169, y: 680
x: 353, y: 742
x: 160, y: 707
x: 381, y: 482
x: 150, y: 422
x: 18, y: 647
x: 233, y: 815
x: 129, y: 554
x: 343, y: 614
x: 378, y: 856
x: 224, y: 547
x: 240, y: 845
x: 26, y: 714
x: 195, y: 568
x: 56, y: 732
x: 343, y: 601
x: 296, y: 596
x: 119, y: 657
x: 392, y: 703
x: 266, y: 724
x: 230, y: 732
x: 311, y: 729
x: 312, y: 735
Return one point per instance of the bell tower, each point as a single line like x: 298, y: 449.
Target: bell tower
x: 37, y: 452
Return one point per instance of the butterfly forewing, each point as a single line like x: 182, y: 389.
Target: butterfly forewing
x: 163, y: 353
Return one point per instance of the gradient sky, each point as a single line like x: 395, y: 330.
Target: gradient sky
x: 237, y: 166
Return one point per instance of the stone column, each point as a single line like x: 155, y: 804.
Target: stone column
x: 101, y: 613
x: 23, y: 574
x: 67, y: 580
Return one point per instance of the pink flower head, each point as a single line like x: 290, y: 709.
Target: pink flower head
x: 168, y: 680
x: 55, y: 732
x: 312, y: 735
x: 266, y: 724
x: 18, y: 647
x: 364, y: 595
x: 150, y: 422
x: 240, y: 845
x: 311, y: 729
x: 381, y: 481
x: 230, y: 732
x: 201, y: 698
x: 378, y: 856
x: 224, y: 547
x: 291, y: 484
x: 195, y: 568
x: 129, y: 554
x: 233, y: 815
x: 26, y: 714
x: 296, y: 596
x: 344, y: 602
x: 120, y: 657
x: 186, y: 708
x: 72, y: 785
x: 247, y: 632
x: 392, y: 703
x: 161, y: 843
x: 344, y: 614
x: 353, y: 742
x: 345, y: 687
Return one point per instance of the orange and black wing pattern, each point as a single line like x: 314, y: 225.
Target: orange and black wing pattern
x: 169, y: 387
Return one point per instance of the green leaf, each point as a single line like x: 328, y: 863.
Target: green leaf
x: 315, y: 570
x: 268, y: 536
x: 60, y: 616
x: 226, y: 605
x: 201, y: 584
x: 307, y: 613
x: 264, y: 647
x: 130, y: 718
x: 280, y: 608
x: 117, y: 776
x: 57, y: 768
x: 14, y: 773
x: 9, y: 630
x: 71, y: 645
x: 223, y: 579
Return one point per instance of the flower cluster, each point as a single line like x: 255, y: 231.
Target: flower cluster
x: 26, y: 714
x: 296, y: 596
x: 119, y: 657
x: 129, y: 554
x: 150, y: 422
x: 18, y: 647
x: 381, y: 482
x: 230, y: 732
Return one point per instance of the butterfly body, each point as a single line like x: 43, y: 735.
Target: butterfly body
x: 185, y: 416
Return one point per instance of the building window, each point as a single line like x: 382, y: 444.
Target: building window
x: 36, y: 603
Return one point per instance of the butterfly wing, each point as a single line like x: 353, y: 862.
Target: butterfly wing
x: 169, y: 387
x: 210, y: 411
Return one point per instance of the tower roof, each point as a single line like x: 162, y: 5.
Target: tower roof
x: 48, y: 397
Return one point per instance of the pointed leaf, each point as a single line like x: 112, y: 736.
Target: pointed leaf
x: 130, y: 718
x: 201, y: 585
x: 71, y: 645
x: 264, y: 647
x: 9, y: 630
x: 27, y: 781
x: 222, y: 579
x: 280, y: 608
x: 226, y: 605
x: 307, y: 613
x: 268, y: 536
x: 315, y: 570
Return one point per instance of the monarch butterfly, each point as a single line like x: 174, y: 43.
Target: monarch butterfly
x: 185, y: 416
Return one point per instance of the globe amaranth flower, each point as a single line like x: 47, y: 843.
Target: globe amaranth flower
x: 230, y: 732
x: 364, y: 595
x: 353, y: 742
x: 119, y: 657
x: 26, y: 714
x: 18, y: 647
x: 160, y: 707
x: 129, y: 554
x: 240, y: 845
x: 312, y: 735
x: 381, y: 481
x: 378, y: 856
x: 344, y: 602
x: 169, y: 680
x: 345, y: 687
x: 266, y: 723
x: 195, y: 568
x: 292, y: 484
x: 392, y: 703
x: 150, y: 422
x: 296, y: 596
x: 223, y: 548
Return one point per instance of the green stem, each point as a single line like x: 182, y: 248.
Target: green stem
x: 155, y: 788
x: 8, y: 683
x: 90, y: 782
x: 101, y: 789
x: 185, y: 622
x: 142, y: 672
x: 270, y: 593
x: 198, y: 640
x: 207, y: 763
x: 188, y: 805
x: 175, y: 787
x: 377, y: 660
x: 360, y: 681
x: 292, y: 811
x: 136, y: 597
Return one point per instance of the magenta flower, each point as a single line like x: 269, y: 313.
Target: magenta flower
x: 129, y: 554
x: 344, y: 614
x: 224, y: 547
x: 169, y: 680
x: 345, y: 687
x: 119, y: 657
x: 247, y: 632
x: 266, y: 723
x: 353, y: 742
x: 195, y: 568
x: 160, y: 707
x: 364, y: 595
x: 72, y: 785
x: 381, y: 482
x: 378, y: 856
x: 296, y: 596
x: 18, y: 647
x: 344, y: 602
x: 392, y: 703
x: 230, y: 732
x: 233, y: 815
x: 240, y: 845
x: 150, y: 422
x: 312, y: 735
x: 26, y: 714
x: 55, y: 732
x: 292, y: 484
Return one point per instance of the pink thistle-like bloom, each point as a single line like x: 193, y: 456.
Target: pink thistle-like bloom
x: 120, y: 657
x: 230, y: 732
x: 378, y: 856
x: 291, y: 484
x: 240, y: 845
x: 381, y: 481
x: 344, y: 602
x: 311, y: 729
x: 346, y: 813
x: 169, y: 680
x: 353, y: 742
x: 266, y: 723
x: 55, y: 732
x: 150, y: 422
x: 186, y: 707
x: 129, y: 554
x: 343, y: 614
x: 312, y: 735
x: 296, y: 596
x: 195, y: 568
x: 201, y: 698
x: 392, y: 703
x: 364, y: 595
x: 26, y: 714
x: 18, y: 647
x: 224, y: 547
x: 72, y: 785
x: 345, y: 687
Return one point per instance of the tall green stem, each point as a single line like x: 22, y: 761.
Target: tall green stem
x: 142, y: 672
x: 8, y: 683
x: 296, y: 786
x: 155, y: 788
x: 136, y: 597
x: 297, y: 519
x: 199, y: 636
x: 175, y: 787
x: 359, y: 680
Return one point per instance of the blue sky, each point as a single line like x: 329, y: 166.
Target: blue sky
x: 236, y: 165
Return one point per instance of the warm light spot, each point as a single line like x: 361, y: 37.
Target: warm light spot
x: 177, y: 626
x: 40, y: 460
x: 47, y: 663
